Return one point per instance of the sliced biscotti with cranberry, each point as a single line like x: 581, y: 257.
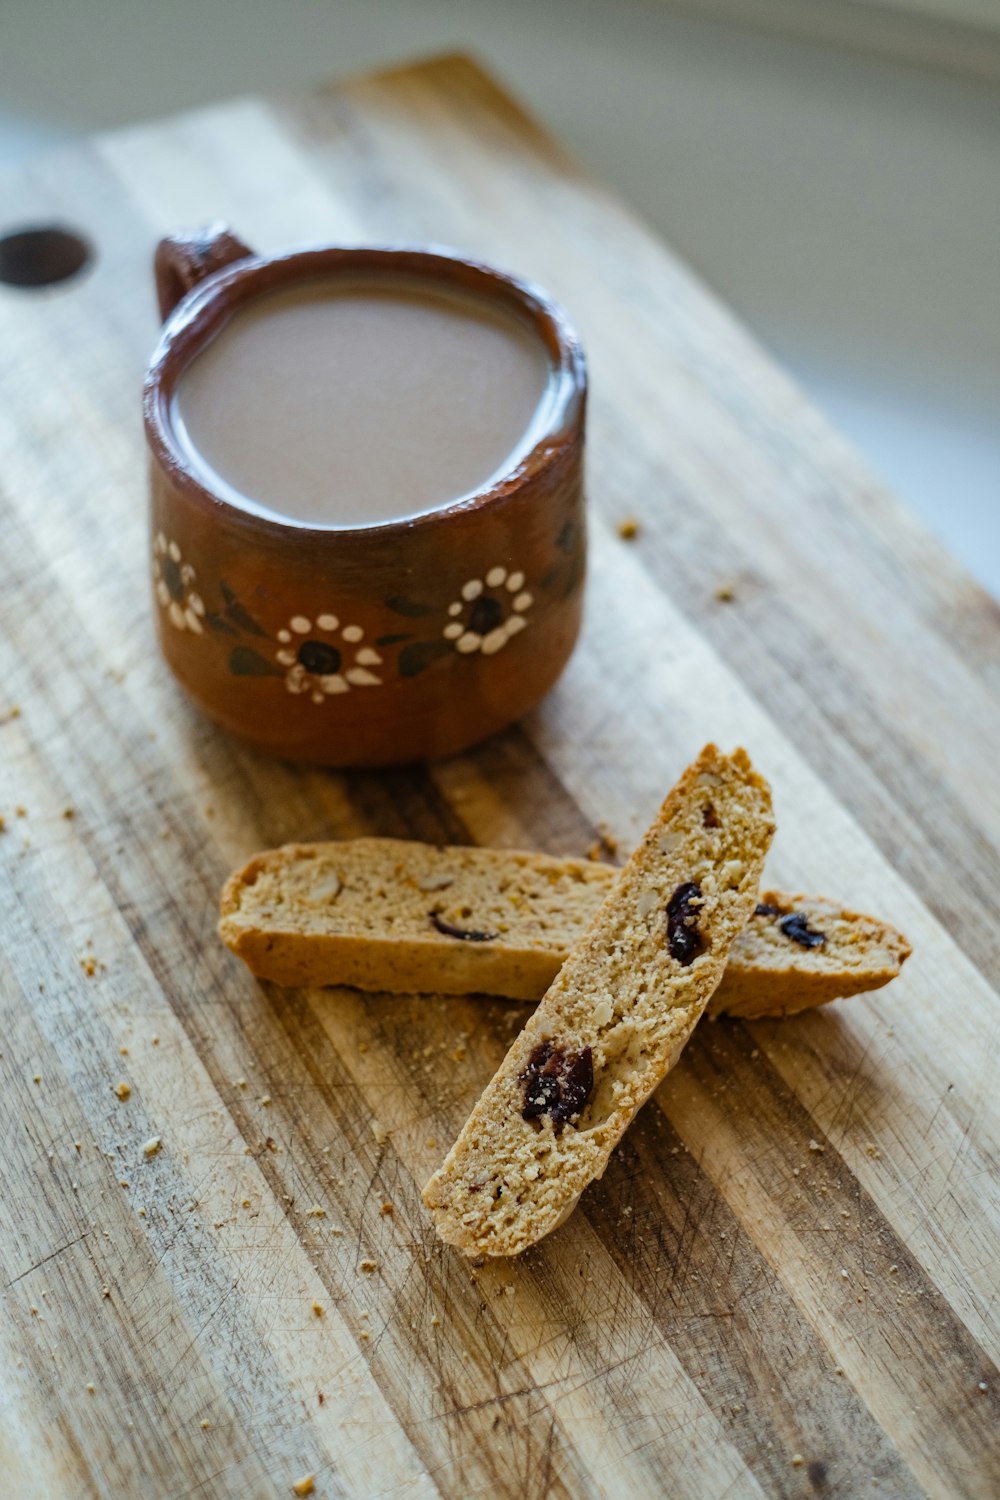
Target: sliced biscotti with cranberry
x: 797, y: 952
x: 615, y: 1018
x: 387, y: 914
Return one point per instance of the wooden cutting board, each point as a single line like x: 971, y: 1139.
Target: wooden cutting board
x: 787, y: 1282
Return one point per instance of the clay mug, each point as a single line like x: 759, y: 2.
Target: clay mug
x: 369, y: 645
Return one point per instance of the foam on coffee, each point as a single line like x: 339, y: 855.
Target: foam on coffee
x: 348, y: 402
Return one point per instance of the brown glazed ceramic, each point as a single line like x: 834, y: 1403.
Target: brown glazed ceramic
x: 253, y: 612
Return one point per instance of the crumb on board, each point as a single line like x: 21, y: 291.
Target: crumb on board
x: 89, y: 964
x: 815, y: 1146
x: 318, y: 1309
x: 387, y: 1208
x: 725, y: 593
x: 605, y: 846
x: 628, y: 528
x: 380, y: 1133
x: 205, y: 1423
x: 316, y: 1212
x: 266, y: 1100
x: 152, y: 1146
x: 305, y: 1485
x: 872, y: 1150
x: 797, y: 1460
x: 21, y: 811
x: 12, y: 713
x: 368, y: 1266
x: 36, y: 1078
x: 90, y: 1387
x: 123, y: 1089
x: 69, y: 813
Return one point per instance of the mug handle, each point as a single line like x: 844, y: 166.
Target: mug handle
x: 182, y: 260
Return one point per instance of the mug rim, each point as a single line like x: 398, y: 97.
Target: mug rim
x: 202, y: 311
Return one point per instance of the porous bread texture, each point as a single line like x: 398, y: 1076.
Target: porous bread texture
x: 622, y: 994
x: 362, y: 913
x: 770, y: 974
x: 358, y: 912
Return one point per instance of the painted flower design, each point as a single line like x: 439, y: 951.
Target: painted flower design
x: 174, y: 583
x: 323, y: 657
x: 490, y: 611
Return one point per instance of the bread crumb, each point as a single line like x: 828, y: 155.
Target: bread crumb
x: 368, y: 1266
x: 205, y: 1423
x: 815, y: 1146
x: 431, y: 1143
x: 983, y: 1386
x: 725, y: 593
x: 305, y: 1485
x: 22, y: 812
x: 628, y: 528
x: 123, y: 1089
x: 152, y: 1146
x: 266, y: 1100
x: 155, y: 1041
x: 797, y: 1460
x: 872, y: 1150
x: 316, y: 1212
x: 364, y: 1334
x: 89, y: 1388
x: 380, y: 1133
x: 36, y: 1078
x: 387, y: 1208
x: 12, y: 713
x: 318, y: 1309
x: 89, y: 965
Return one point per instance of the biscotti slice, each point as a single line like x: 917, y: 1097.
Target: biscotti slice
x: 615, y: 1018
x: 797, y: 952
x: 387, y: 914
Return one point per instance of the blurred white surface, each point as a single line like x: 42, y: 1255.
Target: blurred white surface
x: 847, y: 208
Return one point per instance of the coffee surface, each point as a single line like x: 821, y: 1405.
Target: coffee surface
x: 351, y: 402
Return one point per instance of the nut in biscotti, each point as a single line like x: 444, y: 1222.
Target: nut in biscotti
x: 614, y: 1020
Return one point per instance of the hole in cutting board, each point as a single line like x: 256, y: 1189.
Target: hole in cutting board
x: 41, y: 256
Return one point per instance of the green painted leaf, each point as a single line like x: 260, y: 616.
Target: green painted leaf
x: 569, y: 536
x: 245, y: 662
x: 216, y: 622
x: 393, y: 640
x: 409, y: 607
x: 419, y: 656
x: 243, y: 619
